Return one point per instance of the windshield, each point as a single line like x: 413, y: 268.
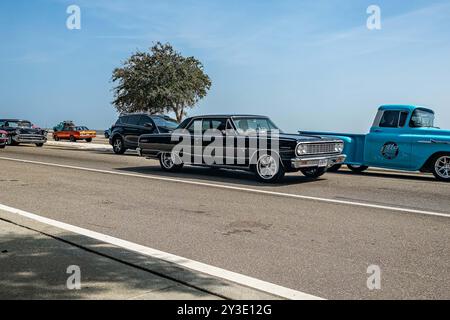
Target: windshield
x: 422, y: 118
x: 81, y: 128
x: 249, y: 125
x: 165, y: 123
x: 16, y: 124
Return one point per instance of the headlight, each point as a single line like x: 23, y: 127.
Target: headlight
x: 339, y: 147
x: 301, y: 149
x: 3, y: 135
x: 17, y: 131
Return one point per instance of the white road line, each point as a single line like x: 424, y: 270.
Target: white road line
x: 228, y: 187
x: 181, y: 261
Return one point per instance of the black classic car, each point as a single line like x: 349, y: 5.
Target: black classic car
x: 244, y: 142
x: 23, y: 131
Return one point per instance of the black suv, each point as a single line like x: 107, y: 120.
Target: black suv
x: 126, y: 131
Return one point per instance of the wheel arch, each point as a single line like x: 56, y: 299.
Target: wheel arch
x: 428, y: 165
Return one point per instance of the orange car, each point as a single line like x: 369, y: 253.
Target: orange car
x: 74, y: 134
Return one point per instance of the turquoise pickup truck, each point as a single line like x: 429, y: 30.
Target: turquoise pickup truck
x: 401, y: 138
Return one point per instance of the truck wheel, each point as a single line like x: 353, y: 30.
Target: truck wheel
x: 313, y: 173
x: 335, y: 168
x: 118, y: 146
x: 441, y: 168
x: 89, y: 140
x: 268, y: 169
x: 168, y: 162
x: 357, y: 169
x: 72, y: 139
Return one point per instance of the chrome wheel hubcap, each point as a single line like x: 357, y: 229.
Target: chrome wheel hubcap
x: 118, y: 144
x: 167, y: 160
x: 267, y: 167
x: 442, y: 167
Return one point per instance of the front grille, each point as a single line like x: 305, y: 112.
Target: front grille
x: 30, y: 137
x: 320, y: 148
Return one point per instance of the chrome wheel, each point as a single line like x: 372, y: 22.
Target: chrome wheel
x: 167, y: 161
x: 170, y: 162
x: 442, y: 167
x: 267, y: 167
x: 118, y: 145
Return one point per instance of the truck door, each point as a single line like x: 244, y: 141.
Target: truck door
x: 387, y: 144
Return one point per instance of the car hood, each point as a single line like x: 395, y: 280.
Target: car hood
x: 29, y: 131
x: 304, y: 138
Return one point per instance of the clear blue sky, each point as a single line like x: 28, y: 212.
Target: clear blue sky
x: 307, y: 64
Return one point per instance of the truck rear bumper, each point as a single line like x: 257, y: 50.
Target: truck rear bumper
x: 325, y: 161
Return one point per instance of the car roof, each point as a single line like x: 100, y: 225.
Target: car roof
x: 228, y: 116
x: 405, y: 107
x: 14, y: 120
x: 145, y: 114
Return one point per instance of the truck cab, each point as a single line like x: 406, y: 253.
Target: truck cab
x: 402, y: 137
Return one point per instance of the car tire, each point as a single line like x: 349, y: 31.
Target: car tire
x: 335, y: 168
x: 89, y: 140
x: 441, y: 167
x: 118, y: 145
x: 268, y: 169
x: 72, y: 139
x: 2, y: 146
x: 168, y: 164
x: 357, y: 169
x: 56, y: 138
x: 314, y: 173
x: 39, y: 145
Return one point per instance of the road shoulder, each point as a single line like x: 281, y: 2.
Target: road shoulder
x: 35, y: 258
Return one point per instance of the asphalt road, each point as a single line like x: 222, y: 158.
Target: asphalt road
x: 318, y: 247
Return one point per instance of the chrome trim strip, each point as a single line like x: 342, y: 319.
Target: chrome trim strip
x: 432, y: 141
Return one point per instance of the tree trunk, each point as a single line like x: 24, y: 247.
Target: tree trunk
x: 179, y: 113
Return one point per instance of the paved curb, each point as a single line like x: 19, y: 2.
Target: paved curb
x: 219, y: 287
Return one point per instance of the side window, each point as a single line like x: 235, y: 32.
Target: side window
x: 390, y: 119
x: 134, y: 120
x: 403, y: 118
x: 219, y: 124
x: 145, y: 119
x: 196, y: 122
x: 122, y: 120
x: 206, y: 125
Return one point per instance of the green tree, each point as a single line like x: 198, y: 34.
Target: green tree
x: 159, y: 81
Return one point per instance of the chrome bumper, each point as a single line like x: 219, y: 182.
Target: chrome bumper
x: 325, y: 161
x: 23, y: 138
